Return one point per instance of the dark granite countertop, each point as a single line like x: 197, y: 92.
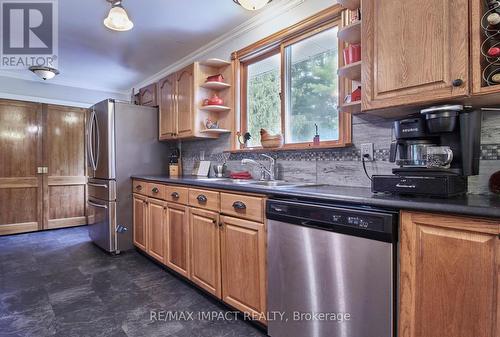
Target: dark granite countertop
x: 474, y: 205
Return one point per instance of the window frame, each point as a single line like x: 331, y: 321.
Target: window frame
x: 277, y: 44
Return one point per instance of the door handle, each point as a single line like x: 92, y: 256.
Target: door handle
x: 239, y: 205
x: 201, y: 198
x: 98, y: 137
x: 96, y: 205
x: 98, y: 185
x: 89, y: 140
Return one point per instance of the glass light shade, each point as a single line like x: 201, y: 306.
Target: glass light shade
x: 118, y: 19
x: 253, y: 5
x: 45, y: 73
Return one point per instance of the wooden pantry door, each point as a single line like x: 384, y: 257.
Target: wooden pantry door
x: 20, y: 158
x: 64, y: 193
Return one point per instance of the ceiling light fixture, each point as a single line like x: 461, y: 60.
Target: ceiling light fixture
x: 252, y: 5
x: 46, y: 73
x: 117, y: 18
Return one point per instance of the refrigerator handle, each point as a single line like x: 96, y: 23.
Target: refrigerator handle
x: 98, y: 138
x: 89, y: 139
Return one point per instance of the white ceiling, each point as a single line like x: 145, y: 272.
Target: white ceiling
x: 91, y: 56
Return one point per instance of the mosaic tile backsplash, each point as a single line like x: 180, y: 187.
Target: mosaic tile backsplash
x: 343, y: 166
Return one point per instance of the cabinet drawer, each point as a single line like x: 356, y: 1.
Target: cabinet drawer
x: 155, y: 190
x: 140, y: 187
x: 242, y: 206
x: 204, y: 199
x: 177, y: 194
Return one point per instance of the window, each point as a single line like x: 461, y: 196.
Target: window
x: 289, y: 85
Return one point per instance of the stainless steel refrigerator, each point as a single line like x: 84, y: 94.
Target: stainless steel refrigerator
x: 122, y: 140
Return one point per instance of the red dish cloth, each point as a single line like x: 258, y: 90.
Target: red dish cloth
x: 241, y: 175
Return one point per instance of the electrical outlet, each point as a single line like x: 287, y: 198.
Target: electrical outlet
x: 367, y: 149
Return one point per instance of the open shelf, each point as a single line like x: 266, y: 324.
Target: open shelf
x: 352, y: 107
x: 351, y: 33
x: 215, y: 85
x: 351, y: 71
x: 216, y: 63
x: 350, y: 4
x: 215, y: 108
x: 215, y: 131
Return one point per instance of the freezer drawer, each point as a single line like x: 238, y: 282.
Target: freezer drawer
x: 102, y: 189
x: 102, y: 224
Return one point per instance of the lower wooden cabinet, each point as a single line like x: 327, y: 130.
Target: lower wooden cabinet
x: 243, y: 255
x: 205, y: 250
x: 177, y: 245
x: 450, y: 276
x: 140, y: 220
x: 156, y: 229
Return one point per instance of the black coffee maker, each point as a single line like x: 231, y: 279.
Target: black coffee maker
x: 451, y: 128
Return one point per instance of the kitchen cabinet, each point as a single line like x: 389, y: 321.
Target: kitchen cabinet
x: 147, y: 95
x: 155, y: 229
x: 414, y: 52
x: 450, y: 276
x: 177, y: 247
x: 167, y: 107
x: 243, y: 256
x: 185, y: 102
x: 140, y: 219
x: 205, y: 250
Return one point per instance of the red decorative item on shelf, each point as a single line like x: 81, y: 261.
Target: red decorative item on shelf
x: 356, y: 95
x: 214, y: 100
x: 215, y: 78
x: 494, y: 52
x: 352, y: 53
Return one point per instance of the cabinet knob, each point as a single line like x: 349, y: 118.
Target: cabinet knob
x: 175, y: 195
x: 155, y: 190
x: 138, y: 187
x: 201, y: 198
x: 458, y: 82
x: 239, y: 205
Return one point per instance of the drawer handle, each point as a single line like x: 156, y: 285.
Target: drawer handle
x: 201, y: 198
x: 155, y: 190
x: 239, y: 205
x: 175, y: 195
x: 138, y: 187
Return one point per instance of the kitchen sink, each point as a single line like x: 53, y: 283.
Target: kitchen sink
x: 267, y: 183
x: 228, y: 180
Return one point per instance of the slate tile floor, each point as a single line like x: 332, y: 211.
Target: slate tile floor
x: 57, y: 283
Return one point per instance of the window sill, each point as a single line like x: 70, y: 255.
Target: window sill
x: 292, y: 147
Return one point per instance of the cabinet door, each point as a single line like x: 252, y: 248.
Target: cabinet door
x: 156, y: 229
x: 167, y: 103
x: 413, y: 51
x: 177, y: 250
x: 140, y: 221
x: 147, y: 95
x: 243, y: 255
x: 449, y: 276
x: 185, y: 101
x: 205, y: 250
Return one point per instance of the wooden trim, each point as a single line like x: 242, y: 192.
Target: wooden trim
x: 66, y: 180
x: 18, y: 228
x: 27, y: 182
x: 67, y: 222
x: 277, y: 38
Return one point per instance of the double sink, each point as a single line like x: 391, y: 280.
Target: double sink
x: 260, y: 183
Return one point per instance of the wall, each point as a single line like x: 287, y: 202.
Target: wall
x: 46, y: 92
x: 343, y: 166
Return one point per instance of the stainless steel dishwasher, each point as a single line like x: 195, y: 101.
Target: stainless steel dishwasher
x: 331, y: 270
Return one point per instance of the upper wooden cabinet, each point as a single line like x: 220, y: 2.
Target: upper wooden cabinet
x: 450, y: 276
x: 168, y: 107
x: 181, y: 96
x: 147, y: 95
x: 414, y: 52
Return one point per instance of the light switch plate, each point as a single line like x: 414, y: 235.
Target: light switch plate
x: 367, y: 148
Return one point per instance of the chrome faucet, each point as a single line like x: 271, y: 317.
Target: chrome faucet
x: 271, y: 171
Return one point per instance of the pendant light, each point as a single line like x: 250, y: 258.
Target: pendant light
x: 117, y: 18
x: 45, y: 73
x: 252, y: 5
